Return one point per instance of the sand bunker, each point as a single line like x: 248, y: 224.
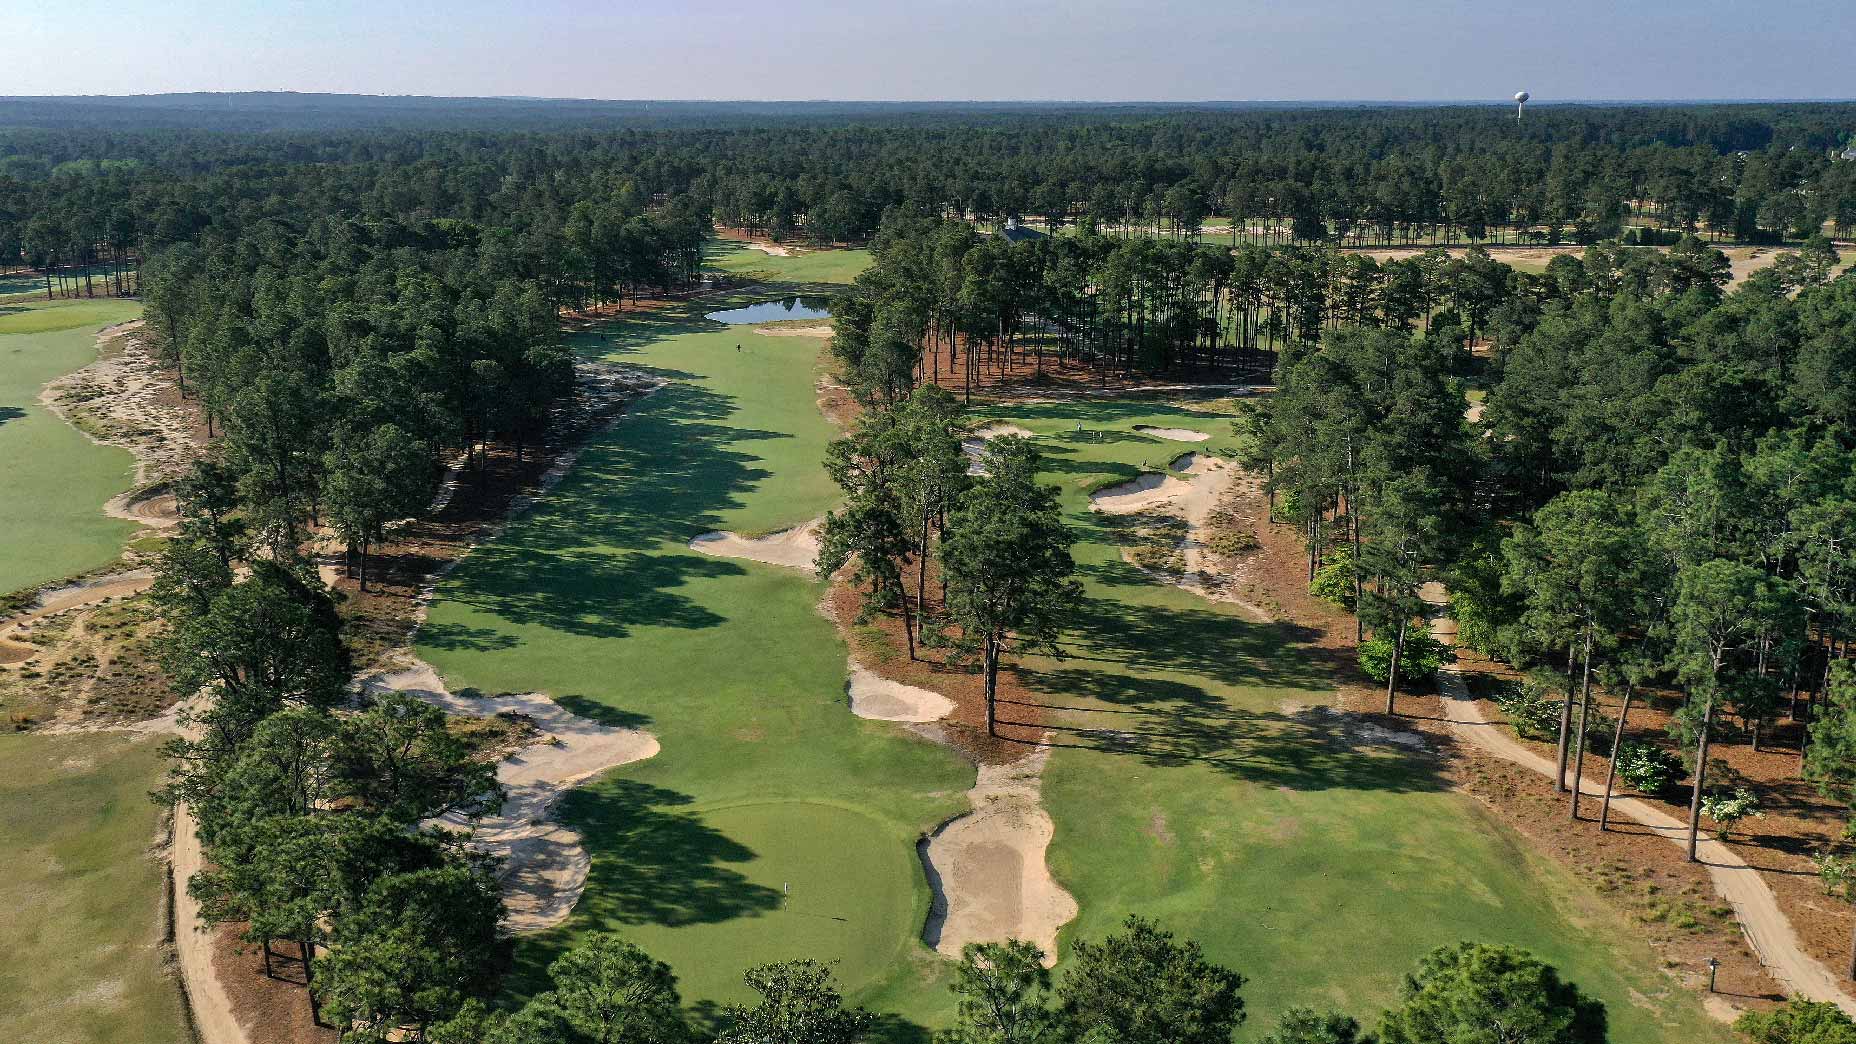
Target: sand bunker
x: 809, y: 330
x: 154, y: 506
x: 881, y: 699
x: 1175, y: 434
x: 1150, y: 490
x: 772, y: 248
x: 544, y: 866
x: 987, y: 867
x: 795, y: 548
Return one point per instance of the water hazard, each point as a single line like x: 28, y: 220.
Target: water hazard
x: 775, y: 311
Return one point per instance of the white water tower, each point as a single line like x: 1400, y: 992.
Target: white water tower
x: 1520, y: 102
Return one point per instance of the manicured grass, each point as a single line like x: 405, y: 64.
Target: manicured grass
x: 81, y: 899
x: 765, y: 778
x: 818, y: 266
x: 1194, y: 784
x: 56, y: 480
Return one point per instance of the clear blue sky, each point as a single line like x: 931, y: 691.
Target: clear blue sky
x: 1160, y: 50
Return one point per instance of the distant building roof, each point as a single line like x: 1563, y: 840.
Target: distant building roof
x: 1017, y: 233
x: 1850, y: 153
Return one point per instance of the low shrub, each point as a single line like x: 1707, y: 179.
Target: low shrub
x: 1422, y: 658
x: 1799, y: 1022
x: 1648, y: 769
x: 1532, y: 707
x: 1334, y: 582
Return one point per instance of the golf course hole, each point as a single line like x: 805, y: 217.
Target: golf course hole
x: 1174, y: 434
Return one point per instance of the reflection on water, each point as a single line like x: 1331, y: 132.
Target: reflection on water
x: 774, y: 311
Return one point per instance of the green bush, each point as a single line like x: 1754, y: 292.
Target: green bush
x: 1532, y: 707
x: 1422, y: 658
x: 1799, y: 1022
x: 1648, y: 769
x: 1838, y: 875
x: 1334, y: 582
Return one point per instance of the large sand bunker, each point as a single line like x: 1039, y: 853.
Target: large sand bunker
x: 987, y: 867
x: 795, y: 548
x: 881, y: 699
x: 1150, y: 490
x: 1175, y: 434
x: 544, y: 865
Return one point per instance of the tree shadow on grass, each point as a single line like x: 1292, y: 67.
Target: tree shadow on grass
x: 10, y: 413
x: 653, y: 863
x: 601, y: 713
x: 592, y: 559
x: 1165, y: 722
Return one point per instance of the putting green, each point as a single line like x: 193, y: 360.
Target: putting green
x: 80, y: 902
x: 817, y: 266
x: 51, y: 504
x: 1197, y: 781
x: 764, y: 777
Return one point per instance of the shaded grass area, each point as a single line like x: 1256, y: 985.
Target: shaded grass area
x: 765, y: 779
x: 56, y: 480
x: 80, y: 901
x: 817, y: 266
x: 1200, y: 780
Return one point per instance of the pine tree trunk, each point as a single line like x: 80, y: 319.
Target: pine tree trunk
x: 992, y: 683
x: 1565, y: 725
x: 1701, y: 774
x: 1585, y: 716
x: 1398, y: 648
x: 1611, y: 774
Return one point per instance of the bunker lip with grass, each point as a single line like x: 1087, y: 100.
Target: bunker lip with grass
x: 795, y: 548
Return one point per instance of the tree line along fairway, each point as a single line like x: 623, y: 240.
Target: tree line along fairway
x: 764, y: 778
x: 51, y: 521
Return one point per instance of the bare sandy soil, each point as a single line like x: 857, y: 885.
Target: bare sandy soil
x: 795, y: 548
x: 64, y: 599
x: 987, y: 867
x: 117, y: 401
x: 544, y: 865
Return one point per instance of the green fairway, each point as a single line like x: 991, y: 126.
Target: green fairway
x: 51, y: 519
x: 818, y: 266
x: 80, y: 904
x: 765, y: 778
x: 1197, y: 781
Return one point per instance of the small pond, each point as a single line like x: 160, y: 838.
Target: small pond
x: 775, y: 311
